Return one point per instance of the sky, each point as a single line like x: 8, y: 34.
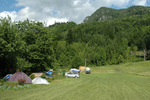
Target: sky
x: 52, y: 11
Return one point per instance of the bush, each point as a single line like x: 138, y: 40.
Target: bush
x: 43, y: 76
x: 2, y: 82
x: 50, y: 79
x: 63, y: 72
x: 32, y: 76
x: 21, y: 81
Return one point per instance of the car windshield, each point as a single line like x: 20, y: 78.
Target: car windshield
x: 72, y: 73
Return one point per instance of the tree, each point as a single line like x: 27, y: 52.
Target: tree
x: 7, y: 46
x: 76, y: 62
x: 69, y: 38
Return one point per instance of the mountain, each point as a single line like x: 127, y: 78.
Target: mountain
x: 104, y: 13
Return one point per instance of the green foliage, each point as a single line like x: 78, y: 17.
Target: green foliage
x: 76, y: 62
x: 32, y: 76
x: 7, y: 46
x: 2, y: 82
x: 32, y: 47
x: 69, y: 38
x: 43, y: 76
x: 49, y: 79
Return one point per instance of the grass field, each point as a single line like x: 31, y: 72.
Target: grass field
x: 117, y: 82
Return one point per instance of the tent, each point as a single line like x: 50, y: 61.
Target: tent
x: 49, y: 73
x: 20, y: 75
x: 7, y: 77
x: 37, y: 74
x: 39, y: 80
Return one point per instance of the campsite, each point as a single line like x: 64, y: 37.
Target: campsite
x: 76, y: 50
x: 116, y: 82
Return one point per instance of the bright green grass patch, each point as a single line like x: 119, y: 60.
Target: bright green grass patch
x: 139, y: 68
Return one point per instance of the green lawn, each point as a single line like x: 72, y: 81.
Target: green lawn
x: 117, y: 82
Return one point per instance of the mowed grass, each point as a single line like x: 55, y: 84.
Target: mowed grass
x: 117, y: 82
x: 138, y: 68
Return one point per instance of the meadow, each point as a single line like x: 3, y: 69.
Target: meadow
x: 129, y: 81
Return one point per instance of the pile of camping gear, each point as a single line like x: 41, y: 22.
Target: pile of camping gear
x: 86, y: 69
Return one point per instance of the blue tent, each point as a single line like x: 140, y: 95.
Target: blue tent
x: 49, y: 73
x: 7, y: 77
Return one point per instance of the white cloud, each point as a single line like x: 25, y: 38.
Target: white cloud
x: 76, y: 2
x: 51, y: 11
x: 51, y: 21
x: 140, y: 2
x: 12, y: 14
x: 108, y: 3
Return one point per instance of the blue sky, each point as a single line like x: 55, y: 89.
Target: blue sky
x: 9, y: 5
x: 51, y: 11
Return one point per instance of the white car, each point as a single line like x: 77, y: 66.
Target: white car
x: 75, y: 75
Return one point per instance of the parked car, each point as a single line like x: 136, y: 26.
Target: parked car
x: 73, y: 70
x: 75, y: 75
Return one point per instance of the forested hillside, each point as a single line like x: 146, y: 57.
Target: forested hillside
x: 30, y: 46
x: 104, y: 13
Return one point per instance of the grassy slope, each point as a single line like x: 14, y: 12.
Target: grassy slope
x: 105, y: 83
x: 139, y: 68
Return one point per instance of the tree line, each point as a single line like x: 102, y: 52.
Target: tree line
x: 32, y: 47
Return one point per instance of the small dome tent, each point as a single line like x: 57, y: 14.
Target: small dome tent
x: 20, y: 75
x: 39, y: 80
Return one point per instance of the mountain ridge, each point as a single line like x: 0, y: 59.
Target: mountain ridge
x: 105, y: 13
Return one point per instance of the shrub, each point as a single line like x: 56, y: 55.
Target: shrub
x: 21, y: 81
x: 49, y: 79
x: 32, y: 76
x: 43, y: 76
x: 2, y: 82
x: 63, y: 72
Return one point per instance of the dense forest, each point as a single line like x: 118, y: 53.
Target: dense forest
x: 32, y: 47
